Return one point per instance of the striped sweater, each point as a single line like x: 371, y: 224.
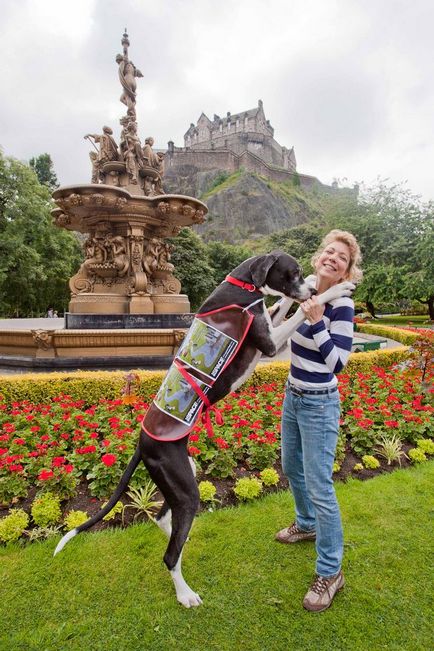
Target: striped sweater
x: 319, y: 351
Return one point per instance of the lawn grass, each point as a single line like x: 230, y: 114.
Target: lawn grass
x: 418, y: 320
x: 109, y: 591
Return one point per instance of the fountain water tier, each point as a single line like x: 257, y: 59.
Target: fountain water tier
x: 127, y: 268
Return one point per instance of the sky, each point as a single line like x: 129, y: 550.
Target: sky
x: 348, y: 83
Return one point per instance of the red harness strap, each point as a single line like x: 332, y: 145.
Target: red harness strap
x: 206, y: 417
x: 243, y: 285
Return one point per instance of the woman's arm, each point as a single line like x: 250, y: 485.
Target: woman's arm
x: 334, y: 346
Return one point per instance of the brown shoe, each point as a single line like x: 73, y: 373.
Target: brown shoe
x: 293, y: 534
x: 322, y: 592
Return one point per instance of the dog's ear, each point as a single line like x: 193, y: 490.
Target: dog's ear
x: 260, y: 267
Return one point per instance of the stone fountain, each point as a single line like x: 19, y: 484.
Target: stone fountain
x: 126, y: 217
x: 126, y: 308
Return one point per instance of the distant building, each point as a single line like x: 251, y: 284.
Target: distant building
x: 243, y: 140
x: 248, y: 131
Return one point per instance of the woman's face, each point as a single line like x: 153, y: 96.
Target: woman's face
x: 332, y: 265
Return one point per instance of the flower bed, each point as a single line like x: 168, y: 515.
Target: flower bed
x: 78, y: 451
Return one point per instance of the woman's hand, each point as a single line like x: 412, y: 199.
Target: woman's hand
x: 312, y: 309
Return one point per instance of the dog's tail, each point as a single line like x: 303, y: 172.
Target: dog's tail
x: 120, y: 488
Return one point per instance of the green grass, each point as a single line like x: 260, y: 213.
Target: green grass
x: 109, y: 591
x: 228, y: 182
x: 417, y: 320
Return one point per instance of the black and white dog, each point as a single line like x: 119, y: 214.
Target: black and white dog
x: 168, y: 462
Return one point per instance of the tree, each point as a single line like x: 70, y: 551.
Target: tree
x: 192, y: 267
x: 396, y: 235
x: 36, y: 258
x: 44, y: 169
x: 225, y: 257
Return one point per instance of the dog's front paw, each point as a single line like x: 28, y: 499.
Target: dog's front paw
x: 189, y: 599
x: 347, y: 287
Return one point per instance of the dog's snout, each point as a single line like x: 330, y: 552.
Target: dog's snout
x: 314, y: 291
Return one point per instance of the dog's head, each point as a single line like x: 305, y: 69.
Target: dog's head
x: 279, y: 274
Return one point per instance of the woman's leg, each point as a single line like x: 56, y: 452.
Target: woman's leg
x: 292, y: 463
x: 318, y: 422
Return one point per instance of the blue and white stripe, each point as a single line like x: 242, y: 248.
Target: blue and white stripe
x: 319, y: 351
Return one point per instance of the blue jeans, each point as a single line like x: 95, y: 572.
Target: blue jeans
x: 310, y: 426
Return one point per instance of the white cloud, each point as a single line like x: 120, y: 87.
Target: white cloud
x: 349, y: 83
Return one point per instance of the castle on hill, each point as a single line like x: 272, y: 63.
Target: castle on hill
x: 247, y: 131
x: 241, y: 140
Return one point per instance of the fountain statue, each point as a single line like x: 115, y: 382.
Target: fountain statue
x: 127, y: 218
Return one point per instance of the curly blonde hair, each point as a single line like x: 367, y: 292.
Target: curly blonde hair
x: 354, y: 272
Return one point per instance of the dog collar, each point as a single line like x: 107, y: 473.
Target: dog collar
x: 243, y: 285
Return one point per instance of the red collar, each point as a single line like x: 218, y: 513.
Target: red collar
x: 243, y: 285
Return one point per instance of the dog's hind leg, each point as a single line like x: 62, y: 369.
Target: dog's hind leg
x: 170, y: 468
x: 164, y: 517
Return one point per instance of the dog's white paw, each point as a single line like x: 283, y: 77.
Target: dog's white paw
x: 347, y: 287
x: 189, y: 599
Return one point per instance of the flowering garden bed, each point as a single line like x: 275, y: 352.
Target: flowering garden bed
x: 78, y: 451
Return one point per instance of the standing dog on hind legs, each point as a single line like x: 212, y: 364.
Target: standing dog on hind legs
x: 236, y: 311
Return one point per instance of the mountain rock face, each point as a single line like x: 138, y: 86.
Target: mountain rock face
x: 241, y: 206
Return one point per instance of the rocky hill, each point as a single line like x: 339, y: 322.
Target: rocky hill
x: 244, y: 205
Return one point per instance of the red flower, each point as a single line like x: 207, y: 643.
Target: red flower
x: 391, y: 423
x: 68, y: 468
x: 44, y: 475
x: 16, y: 467
x: 365, y: 423
x: 193, y: 451
x: 194, y: 438
x: 222, y: 444
x: 58, y: 461
x: 109, y: 459
x: 87, y: 449
x: 19, y: 441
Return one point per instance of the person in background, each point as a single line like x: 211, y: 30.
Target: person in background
x: 310, y: 420
x: 50, y: 313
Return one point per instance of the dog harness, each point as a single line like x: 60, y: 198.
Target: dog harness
x: 211, y: 344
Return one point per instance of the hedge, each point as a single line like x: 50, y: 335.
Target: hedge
x: 405, y: 337
x: 93, y: 385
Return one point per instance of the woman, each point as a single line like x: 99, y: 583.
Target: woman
x: 310, y: 421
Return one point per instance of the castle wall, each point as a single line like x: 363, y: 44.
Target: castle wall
x: 224, y: 159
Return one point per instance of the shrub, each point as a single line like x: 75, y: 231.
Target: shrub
x: 12, y: 486
x: 269, y: 477
x: 417, y: 455
x: 45, y: 510
x: 90, y: 386
x: 142, y: 500
x: 426, y: 445
x: 13, y: 525
x: 207, y: 491
x: 75, y: 519
x: 43, y: 533
x: 247, y: 488
x: 358, y: 467
x: 390, y: 448
x: 117, y: 509
x: 397, y: 334
x: 370, y: 462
